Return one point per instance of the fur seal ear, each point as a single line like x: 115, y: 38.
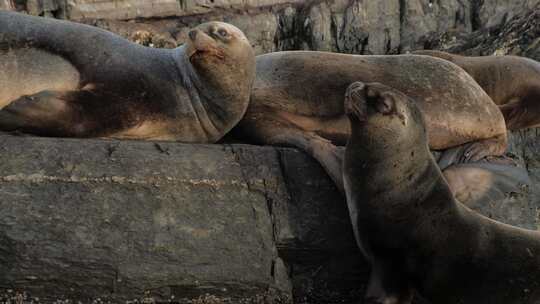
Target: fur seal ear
x: 359, y: 96
x: 381, y: 98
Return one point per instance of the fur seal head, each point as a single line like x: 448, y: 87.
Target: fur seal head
x: 384, y: 118
x: 221, y: 65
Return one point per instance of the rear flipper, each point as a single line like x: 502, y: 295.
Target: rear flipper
x: 487, y: 182
x: 53, y: 113
x: 473, y: 152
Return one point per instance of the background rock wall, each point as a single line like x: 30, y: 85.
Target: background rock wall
x: 350, y: 26
x: 293, y: 239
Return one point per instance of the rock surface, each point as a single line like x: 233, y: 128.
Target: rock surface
x: 350, y: 26
x: 100, y: 219
x: 125, y: 220
x: 88, y: 219
x: 518, y: 36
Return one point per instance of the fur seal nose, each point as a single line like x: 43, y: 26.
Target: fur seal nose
x: 355, y: 100
x: 192, y: 34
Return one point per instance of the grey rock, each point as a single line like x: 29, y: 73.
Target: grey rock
x: 124, y: 220
x: 526, y: 145
x: 357, y: 26
x: 7, y: 5
x: 421, y: 18
x: 518, y: 36
x: 495, y: 12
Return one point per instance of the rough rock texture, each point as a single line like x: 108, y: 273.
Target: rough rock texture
x: 125, y: 220
x: 350, y: 26
x: 88, y: 219
x: 518, y: 36
x: 421, y: 18
x: 526, y: 145
x: 491, y: 13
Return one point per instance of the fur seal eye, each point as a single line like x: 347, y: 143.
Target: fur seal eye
x: 223, y: 33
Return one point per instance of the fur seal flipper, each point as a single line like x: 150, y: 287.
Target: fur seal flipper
x: 412, y: 230
x: 59, y: 78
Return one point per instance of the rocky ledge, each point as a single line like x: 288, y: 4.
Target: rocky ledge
x: 122, y: 221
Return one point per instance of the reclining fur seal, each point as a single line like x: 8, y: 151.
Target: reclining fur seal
x: 512, y: 82
x: 297, y: 100
x: 60, y: 78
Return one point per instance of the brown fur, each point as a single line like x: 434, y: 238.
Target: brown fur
x: 297, y: 100
x: 512, y: 82
x: 59, y: 78
x: 410, y: 227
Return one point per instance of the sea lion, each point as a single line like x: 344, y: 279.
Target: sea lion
x: 512, y: 82
x: 408, y: 224
x: 59, y: 78
x: 297, y: 100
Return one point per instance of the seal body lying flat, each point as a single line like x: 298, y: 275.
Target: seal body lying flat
x: 512, y: 82
x: 297, y: 101
x: 60, y: 78
x: 408, y: 224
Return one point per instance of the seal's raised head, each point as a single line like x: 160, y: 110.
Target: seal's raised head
x: 383, y: 116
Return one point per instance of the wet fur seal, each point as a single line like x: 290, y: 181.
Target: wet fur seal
x: 415, y: 234
x: 297, y: 100
x: 512, y: 82
x: 59, y: 78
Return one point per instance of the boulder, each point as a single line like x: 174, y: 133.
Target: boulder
x: 88, y: 219
x: 118, y: 221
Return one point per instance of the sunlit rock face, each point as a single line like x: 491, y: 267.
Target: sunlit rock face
x: 359, y: 27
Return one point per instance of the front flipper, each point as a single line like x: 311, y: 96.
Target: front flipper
x: 473, y: 151
x: 328, y: 155
x: 53, y: 113
x: 480, y: 149
x: 274, y: 130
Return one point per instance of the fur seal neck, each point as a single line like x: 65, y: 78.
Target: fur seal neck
x: 379, y: 151
x: 194, y: 87
x: 209, y: 70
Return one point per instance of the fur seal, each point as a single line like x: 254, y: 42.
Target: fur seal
x: 512, y: 82
x: 297, y: 100
x: 59, y: 78
x: 415, y: 234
